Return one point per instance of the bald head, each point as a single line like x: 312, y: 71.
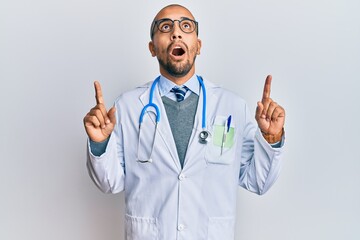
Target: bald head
x: 173, y: 7
x: 165, y: 11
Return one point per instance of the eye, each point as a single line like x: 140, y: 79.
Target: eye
x: 187, y: 25
x: 165, y: 26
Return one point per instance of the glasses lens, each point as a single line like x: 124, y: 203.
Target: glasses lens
x: 187, y: 25
x: 165, y: 25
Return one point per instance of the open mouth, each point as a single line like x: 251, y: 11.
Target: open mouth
x: 178, y: 51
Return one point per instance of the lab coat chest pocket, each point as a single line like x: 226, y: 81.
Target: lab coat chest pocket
x: 220, y: 149
x: 141, y: 228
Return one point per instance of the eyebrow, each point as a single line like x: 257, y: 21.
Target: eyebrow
x: 187, y: 18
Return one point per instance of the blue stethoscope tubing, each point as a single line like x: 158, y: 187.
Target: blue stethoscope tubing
x: 151, y: 104
x: 204, y: 134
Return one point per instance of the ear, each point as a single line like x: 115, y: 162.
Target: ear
x: 199, y: 46
x: 152, y: 49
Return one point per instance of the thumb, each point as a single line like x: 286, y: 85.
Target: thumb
x: 111, y: 115
x: 259, y: 110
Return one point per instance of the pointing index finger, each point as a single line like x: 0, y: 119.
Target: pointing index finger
x: 98, y: 93
x: 267, y: 87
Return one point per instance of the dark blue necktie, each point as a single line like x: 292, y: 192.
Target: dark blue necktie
x: 179, y: 92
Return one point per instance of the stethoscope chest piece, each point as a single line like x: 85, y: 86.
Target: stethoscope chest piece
x: 204, y: 137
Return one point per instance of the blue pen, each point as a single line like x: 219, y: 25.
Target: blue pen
x: 226, y: 130
x: 228, y: 124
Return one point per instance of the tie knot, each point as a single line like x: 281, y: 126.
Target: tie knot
x: 179, y: 92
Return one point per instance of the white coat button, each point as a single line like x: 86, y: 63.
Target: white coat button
x: 181, y: 177
x: 181, y: 227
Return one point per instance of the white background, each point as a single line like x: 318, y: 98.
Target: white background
x: 52, y: 51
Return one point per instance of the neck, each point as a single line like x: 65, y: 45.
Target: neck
x: 178, y: 80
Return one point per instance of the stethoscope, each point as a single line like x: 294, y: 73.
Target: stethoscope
x: 204, y: 135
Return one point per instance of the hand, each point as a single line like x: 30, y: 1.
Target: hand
x: 99, y: 123
x: 269, y: 115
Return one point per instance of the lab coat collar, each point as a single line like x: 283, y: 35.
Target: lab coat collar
x: 164, y: 130
x: 164, y: 126
x: 194, y: 147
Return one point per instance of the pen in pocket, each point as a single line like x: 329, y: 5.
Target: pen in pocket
x: 226, y: 130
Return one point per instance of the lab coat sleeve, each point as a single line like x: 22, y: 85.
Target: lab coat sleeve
x: 260, y: 162
x: 107, y: 170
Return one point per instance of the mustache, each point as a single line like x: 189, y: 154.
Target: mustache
x: 172, y: 44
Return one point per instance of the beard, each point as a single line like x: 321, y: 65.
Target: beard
x: 176, y: 69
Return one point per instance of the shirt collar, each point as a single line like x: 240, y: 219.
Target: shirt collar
x: 165, y: 85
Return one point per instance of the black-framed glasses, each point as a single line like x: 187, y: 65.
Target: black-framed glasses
x: 166, y: 25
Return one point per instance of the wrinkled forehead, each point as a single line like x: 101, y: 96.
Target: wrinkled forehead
x: 175, y: 13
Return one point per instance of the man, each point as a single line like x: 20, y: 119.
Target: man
x: 180, y: 169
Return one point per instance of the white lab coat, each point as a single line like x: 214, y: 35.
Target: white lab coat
x: 166, y: 202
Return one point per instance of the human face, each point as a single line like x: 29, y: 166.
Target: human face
x: 175, y: 50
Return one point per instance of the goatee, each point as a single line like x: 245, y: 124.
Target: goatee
x: 176, y: 70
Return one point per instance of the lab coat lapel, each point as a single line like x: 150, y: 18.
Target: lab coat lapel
x: 195, y: 148
x: 164, y: 130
